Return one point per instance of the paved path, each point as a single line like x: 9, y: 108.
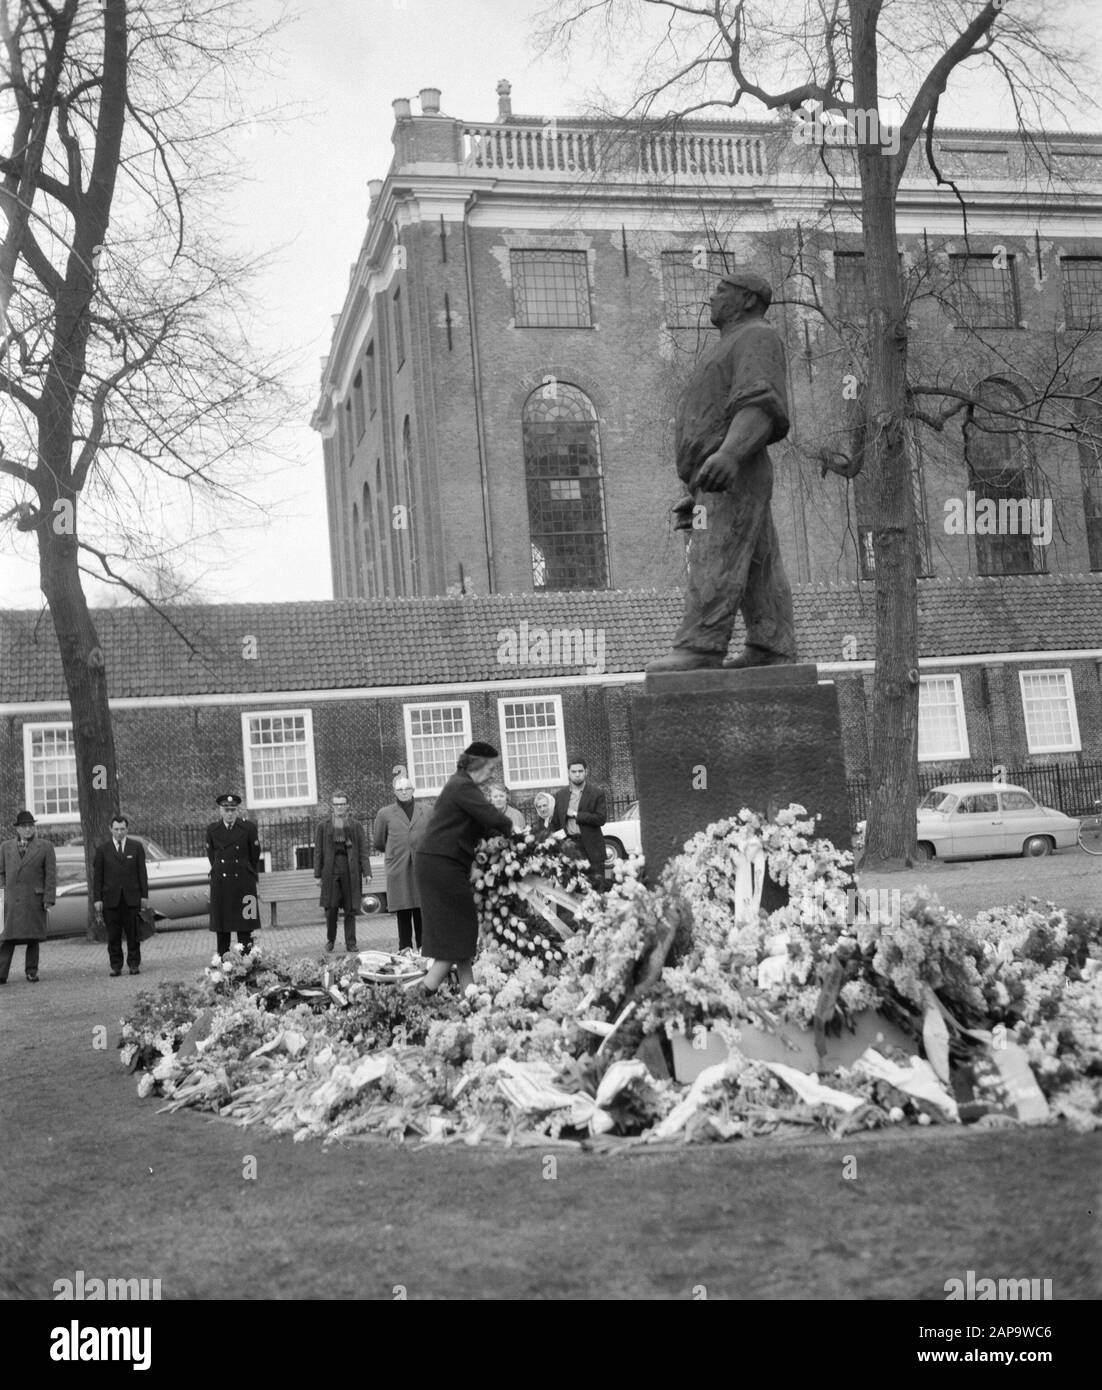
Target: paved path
x: 75, y: 971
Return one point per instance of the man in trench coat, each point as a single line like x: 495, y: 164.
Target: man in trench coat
x: 340, y: 861
x: 233, y: 848
x: 398, y: 831
x: 28, y: 882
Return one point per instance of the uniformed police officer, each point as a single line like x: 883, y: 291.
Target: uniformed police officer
x: 233, y: 848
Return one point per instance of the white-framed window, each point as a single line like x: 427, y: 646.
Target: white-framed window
x: 435, y: 737
x: 50, y: 772
x: 279, y: 758
x: 1048, y: 704
x: 533, y: 744
x: 942, y: 729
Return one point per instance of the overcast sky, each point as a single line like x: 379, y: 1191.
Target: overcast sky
x: 304, y: 191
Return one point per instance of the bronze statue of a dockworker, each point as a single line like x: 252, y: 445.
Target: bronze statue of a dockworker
x: 733, y: 405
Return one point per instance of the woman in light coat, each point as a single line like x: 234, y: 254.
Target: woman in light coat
x: 398, y: 831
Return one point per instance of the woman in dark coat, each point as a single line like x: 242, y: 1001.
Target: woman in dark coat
x: 28, y: 885
x: 461, y: 818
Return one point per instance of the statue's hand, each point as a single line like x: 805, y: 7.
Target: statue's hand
x: 717, y: 473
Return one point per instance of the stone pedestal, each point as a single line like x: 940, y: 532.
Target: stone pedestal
x: 707, y: 743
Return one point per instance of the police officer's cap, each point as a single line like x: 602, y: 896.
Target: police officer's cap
x: 747, y: 280
x: 228, y: 799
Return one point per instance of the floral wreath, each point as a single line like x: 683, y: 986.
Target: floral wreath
x: 522, y: 891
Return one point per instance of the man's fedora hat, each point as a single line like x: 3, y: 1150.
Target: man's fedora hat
x: 25, y: 818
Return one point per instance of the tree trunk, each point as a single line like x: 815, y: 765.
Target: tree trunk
x: 82, y: 658
x: 86, y: 681
x: 890, y: 841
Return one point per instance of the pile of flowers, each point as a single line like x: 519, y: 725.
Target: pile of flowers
x: 567, y: 1034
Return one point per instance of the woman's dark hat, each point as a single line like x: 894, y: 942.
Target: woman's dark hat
x: 480, y: 750
x: 228, y: 799
x: 25, y: 818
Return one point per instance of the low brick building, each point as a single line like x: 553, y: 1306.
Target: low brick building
x: 286, y: 701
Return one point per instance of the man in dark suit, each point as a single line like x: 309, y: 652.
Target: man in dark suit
x: 120, y: 889
x: 233, y: 848
x: 580, y: 812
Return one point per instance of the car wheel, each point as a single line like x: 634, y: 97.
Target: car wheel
x: 1036, y: 847
x: 614, y: 850
x: 925, y: 851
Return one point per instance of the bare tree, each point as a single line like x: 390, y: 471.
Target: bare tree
x: 127, y: 384
x: 844, y: 60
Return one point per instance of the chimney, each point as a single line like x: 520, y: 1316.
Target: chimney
x: 401, y: 108
x: 429, y: 98
x: 504, y: 104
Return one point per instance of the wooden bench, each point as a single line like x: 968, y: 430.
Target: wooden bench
x: 300, y: 885
x: 288, y: 886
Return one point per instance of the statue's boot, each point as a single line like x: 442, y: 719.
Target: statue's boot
x: 685, y: 659
x: 756, y: 656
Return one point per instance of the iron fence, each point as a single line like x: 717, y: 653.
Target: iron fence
x: 1071, y: 788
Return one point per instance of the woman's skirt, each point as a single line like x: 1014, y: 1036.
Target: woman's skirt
x: 449, y: 921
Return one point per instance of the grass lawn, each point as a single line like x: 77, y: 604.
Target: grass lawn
x: 96, y: 1180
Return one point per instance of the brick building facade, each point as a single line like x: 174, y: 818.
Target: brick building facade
x: 529, y: 293
x: 286, y: 701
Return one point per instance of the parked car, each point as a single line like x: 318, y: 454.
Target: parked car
x: 177, y: 887
x: 623, y: 837
x: 972, y: 820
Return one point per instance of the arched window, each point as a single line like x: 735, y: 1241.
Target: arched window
x: 367, y: 562
x: 405, y: 536
x: 1002, y: 478
x: 566, y: 505
x: 358, y: 568
x: 382, y: 531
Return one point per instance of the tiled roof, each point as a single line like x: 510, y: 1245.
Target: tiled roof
x: 348, y: 643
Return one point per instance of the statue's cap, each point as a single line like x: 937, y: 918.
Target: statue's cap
x: 747, y: 280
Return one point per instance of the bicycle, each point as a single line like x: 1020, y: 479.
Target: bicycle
x: 1090, y: 832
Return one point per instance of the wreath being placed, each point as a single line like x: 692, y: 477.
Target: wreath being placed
x: 527, y: 895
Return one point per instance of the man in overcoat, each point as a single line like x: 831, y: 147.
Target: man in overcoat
x: 398, y: 831
x: 28, y: 881
x: 580, y: 811
x: 120, y: 889
x: 233, y: 848
x: 341, y: 861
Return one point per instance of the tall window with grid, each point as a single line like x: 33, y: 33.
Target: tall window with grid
x: 1000, y: 470
x: 50, y: 771
x: 1090, y: 469
x: 687, y: 285
x: 985, y: 296
x: 942, y: 730
x: 279, y: 758
x: 435, y: 737
x: 1048, y: 705
x: 551, y: 289
x: 566, y: 507
x: 533, y: 744
x: 849, y: 283
x: 1082, y: 281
